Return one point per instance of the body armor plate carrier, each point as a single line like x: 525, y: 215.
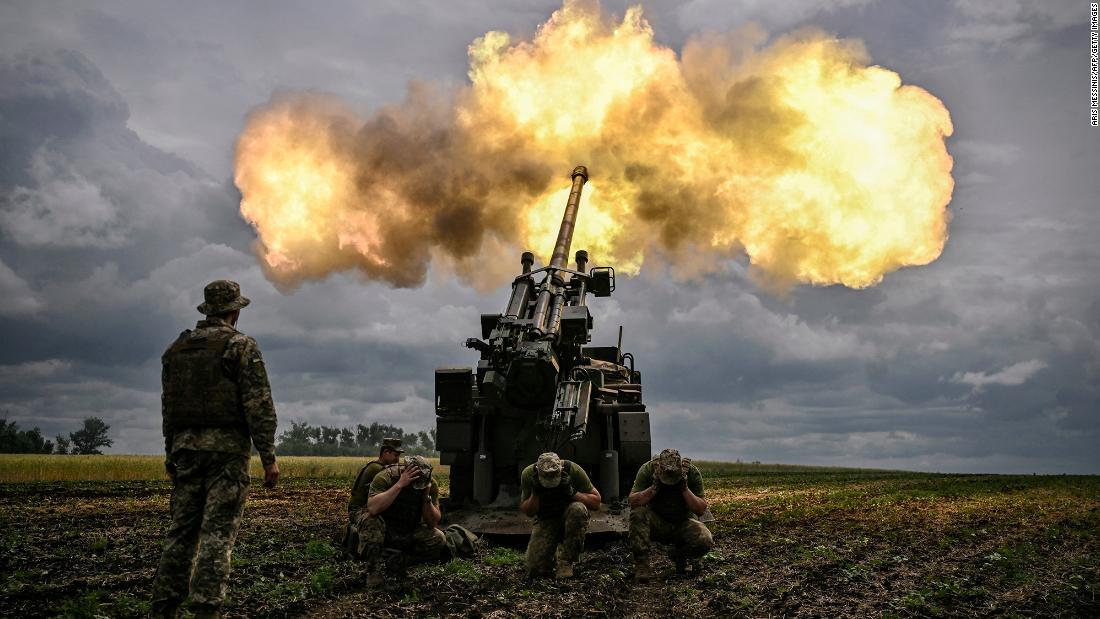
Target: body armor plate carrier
x: 553, y: 501
x: 406, y: 512
x: 198, y: 393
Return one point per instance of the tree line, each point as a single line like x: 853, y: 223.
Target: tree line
x: 85, y: 441
x: 303, y: 439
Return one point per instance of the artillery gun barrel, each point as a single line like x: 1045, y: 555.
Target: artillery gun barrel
x: 569, y: 220
x: 561, y: 252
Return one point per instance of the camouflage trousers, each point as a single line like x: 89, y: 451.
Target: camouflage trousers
x: 690, y: 539
x: 567, y: 530
x: 208, y: 497
x: 420, y: 545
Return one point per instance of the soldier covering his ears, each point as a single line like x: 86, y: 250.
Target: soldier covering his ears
x: 558, y: 493
x: 402, y: 513
x: 665, y: 504
x: 216, y: 405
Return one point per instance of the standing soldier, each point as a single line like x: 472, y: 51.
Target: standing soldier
x: 390, y: 454
x: 216, y: 405
x: 665, y: 504
x: 558, y: 494
x: 402, y: 513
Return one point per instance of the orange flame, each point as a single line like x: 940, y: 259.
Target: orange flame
x: 821, y: 168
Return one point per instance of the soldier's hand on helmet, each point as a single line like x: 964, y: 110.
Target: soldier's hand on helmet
x: 408, y: 476
x: 682, y: 484
x: 271, y: 474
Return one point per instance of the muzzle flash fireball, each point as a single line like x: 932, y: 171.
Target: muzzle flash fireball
x: 819, y: 166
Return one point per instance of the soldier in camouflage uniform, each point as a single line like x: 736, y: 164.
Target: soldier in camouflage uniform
x: 390, y: 454
x: 558, y: 494
x: 216, y: 405
x: 402, y: 513
x: 665, y: 504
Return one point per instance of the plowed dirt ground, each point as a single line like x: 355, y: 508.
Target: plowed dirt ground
x: 789, y: 543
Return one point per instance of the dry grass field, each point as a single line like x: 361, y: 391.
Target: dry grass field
x: 791, y: 541
x: 19, y: 468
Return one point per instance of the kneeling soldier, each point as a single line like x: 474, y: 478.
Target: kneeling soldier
x: 389, y: 454
x: 558, y: 494
x: 402, y: 513
x: 665, y: 504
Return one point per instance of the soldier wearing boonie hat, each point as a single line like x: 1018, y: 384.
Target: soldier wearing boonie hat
x: 216, y: 406
x: 558, y: 494
x: 402, y: 512
x: 665, y: 504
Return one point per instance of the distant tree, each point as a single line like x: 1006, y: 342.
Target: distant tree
x: 426, y: 440
x: 299, y: 432
x: 374, y: 433
x: 347, y: 438
x: 9, y: 437
x: 16, y: 441
x: 36, y: 443
x: 91, y: 437
x: 303, y: 439
x: 63, y: 445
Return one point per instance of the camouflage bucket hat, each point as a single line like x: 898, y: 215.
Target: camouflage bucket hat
x: 425, y: 467
x: 548, y: 467
x: 669, y: 465
x: 222, y: 296
x: 392, y: 443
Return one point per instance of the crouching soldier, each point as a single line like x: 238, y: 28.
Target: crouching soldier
x: 390, y: 453
x: 402, y: 513
x: 665, y: 504
x: 558, y: 494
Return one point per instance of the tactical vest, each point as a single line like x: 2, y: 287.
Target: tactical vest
x: 197, y: 391
x: 668, y: 503
x: 361, y: 488
x: 553, y: 501
x: 406, y: 511
x: 365, y: 481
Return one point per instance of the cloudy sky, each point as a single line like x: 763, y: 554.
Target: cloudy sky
x: 117, y: 127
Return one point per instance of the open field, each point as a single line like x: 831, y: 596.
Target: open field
x: 790, y: 541
x: 19, y: 468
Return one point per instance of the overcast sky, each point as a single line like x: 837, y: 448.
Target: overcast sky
x: 117, y: 126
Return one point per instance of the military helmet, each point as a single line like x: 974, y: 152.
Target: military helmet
x: 548, y: 468
x: 425, y: 467
x: 670, y: 467
x: 222, y: 296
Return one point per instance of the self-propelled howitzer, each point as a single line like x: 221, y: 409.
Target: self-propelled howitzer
x: 539, y: 387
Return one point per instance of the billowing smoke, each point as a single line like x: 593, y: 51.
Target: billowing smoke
x: 821, y: 168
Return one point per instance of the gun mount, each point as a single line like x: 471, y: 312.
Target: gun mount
x: 539, y: 387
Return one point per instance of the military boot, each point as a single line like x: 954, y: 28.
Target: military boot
x: 165, y: 609
x: 681, y: 564
x: 642, y: 571
x: 565, y: 569
x: 207, y: 612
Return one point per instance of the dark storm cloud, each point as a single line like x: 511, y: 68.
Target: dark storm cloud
x: 988, y: 359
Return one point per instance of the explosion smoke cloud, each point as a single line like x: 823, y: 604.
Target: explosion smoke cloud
x: 821, y: 168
